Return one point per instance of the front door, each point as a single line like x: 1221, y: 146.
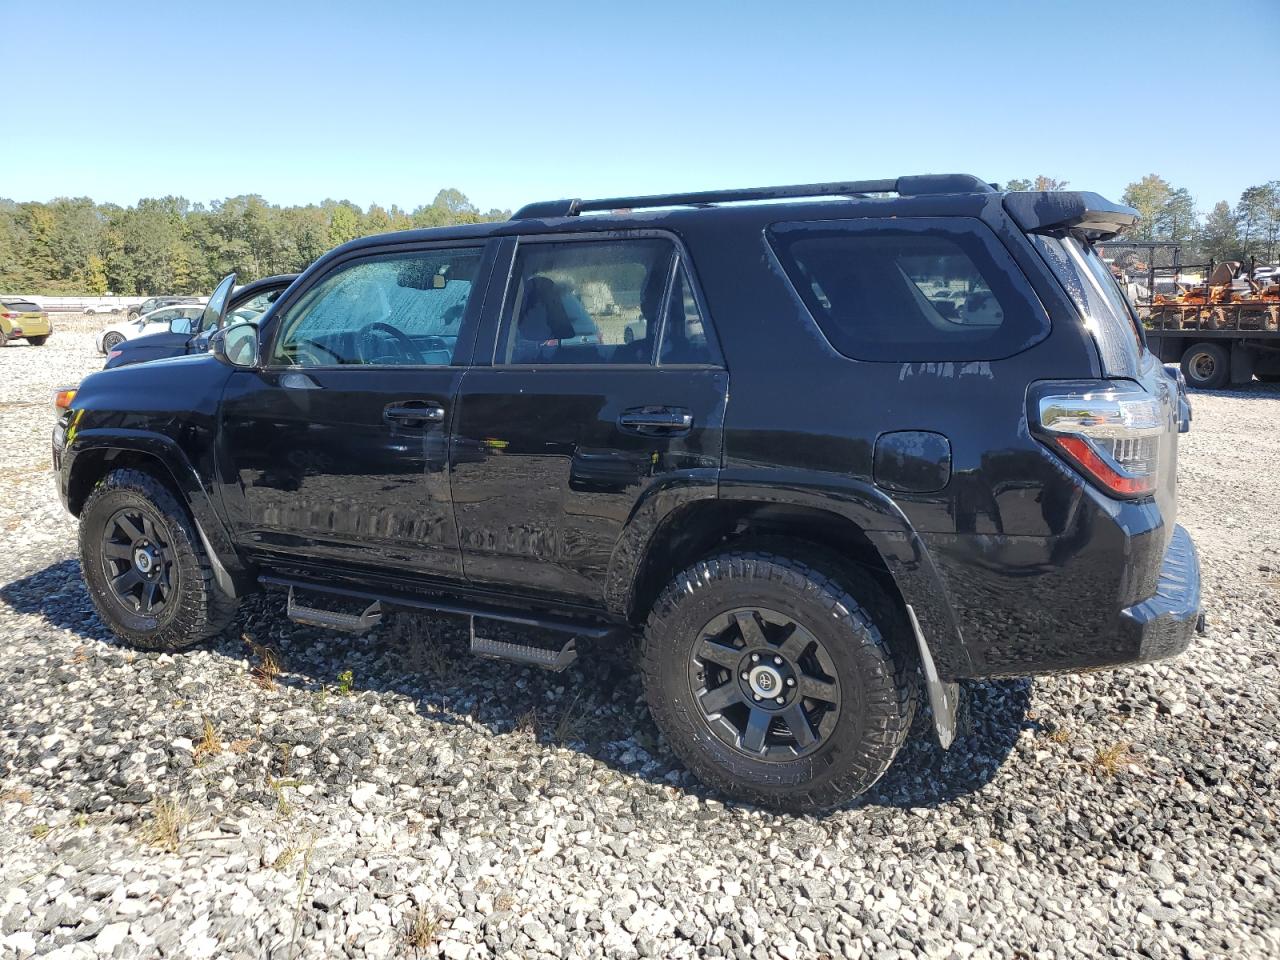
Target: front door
x: 582, y: 414
x: 334, y: 451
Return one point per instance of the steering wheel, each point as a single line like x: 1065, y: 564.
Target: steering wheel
x: 404, y: 346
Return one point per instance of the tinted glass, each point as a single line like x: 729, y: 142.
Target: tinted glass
x: 26, y: 306
x: 586, y: 302
x: 685, y: 337
x: 400, y: 310
x: 911, y: 290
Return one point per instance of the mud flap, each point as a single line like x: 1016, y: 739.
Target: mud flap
x: 943, y: 697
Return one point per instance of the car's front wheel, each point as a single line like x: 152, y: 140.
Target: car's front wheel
x: 111, y: 341
x: 147, y: 572
x: 780, y: 682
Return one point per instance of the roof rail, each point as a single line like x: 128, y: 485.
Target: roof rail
x: 903, y: 186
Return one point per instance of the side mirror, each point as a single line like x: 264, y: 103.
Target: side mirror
x: 183, y: 325
x: 236, y: 345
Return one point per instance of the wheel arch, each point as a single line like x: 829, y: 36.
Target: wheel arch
x: 860, y: 527
x: 95, y: 454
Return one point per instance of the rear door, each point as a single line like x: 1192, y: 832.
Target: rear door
x: 605, y: 386
x: 334, y: 449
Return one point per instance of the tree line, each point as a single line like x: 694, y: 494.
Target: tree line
x: 1248, y: 228
x: 72, y: 245
x: 170, y: 245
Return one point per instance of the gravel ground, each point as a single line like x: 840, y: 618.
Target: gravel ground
x: 290, y: 792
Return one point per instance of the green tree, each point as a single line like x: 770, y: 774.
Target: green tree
x: 95, y: 275
x: 1039, y: 183
x: 344, y: 222
x: 1218, y: 238
x: 1148, y: 196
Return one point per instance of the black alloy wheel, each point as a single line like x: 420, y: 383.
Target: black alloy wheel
x: 138, y: 561
x: 146, y: 568
x: 765, y: 685
x: 779, y: 674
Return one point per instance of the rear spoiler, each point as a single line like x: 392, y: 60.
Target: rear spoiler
x: 1044, y: 211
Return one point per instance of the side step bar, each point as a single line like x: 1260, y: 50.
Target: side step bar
x: 554, y: 656
x: 547, y: 658
x: 346, y: 622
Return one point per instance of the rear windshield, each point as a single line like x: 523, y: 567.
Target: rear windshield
x: 26, y: 306
x: 926, y: 289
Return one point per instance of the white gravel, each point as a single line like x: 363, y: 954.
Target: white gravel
x: 498, y: 811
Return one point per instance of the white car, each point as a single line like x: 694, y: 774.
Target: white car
x: 92, y: 308
x: 157, y: 321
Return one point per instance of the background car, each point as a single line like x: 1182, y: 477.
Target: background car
x: 185, y: 336
x: 94, y: 308
x: 155, y: 303
x: 154, y: 322
x: 22, y: 319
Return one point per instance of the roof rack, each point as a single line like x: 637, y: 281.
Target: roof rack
x: 902, y: 186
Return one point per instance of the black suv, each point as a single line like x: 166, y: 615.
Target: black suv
x: 901, y: 433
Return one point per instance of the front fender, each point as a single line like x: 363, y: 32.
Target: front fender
x: 90, y: 454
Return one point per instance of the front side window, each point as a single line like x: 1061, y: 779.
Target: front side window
x: 911, y: 289
x: 401, y: 310
x: 586, y: 301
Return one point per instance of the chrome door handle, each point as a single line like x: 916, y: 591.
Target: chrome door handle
x: 400, y: 412
x: 656, y: 421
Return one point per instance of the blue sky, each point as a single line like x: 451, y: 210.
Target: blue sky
x: 389, y: 101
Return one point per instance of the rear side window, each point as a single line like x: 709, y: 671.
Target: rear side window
x: 926, y: 289
x: 586, y: 301
x: 686, y: 337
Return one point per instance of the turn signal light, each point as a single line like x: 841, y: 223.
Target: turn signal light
x: 62, y: 398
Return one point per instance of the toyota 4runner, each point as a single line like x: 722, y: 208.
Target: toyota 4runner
x: 829, y: 448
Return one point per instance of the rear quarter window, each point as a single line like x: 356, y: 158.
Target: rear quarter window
x: 919, y: 289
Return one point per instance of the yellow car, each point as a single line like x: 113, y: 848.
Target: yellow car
x: 22, y: 319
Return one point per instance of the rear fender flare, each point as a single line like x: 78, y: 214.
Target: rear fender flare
x: 903, y: 552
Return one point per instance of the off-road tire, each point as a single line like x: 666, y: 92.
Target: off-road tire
x: 198, y: 610
x: 37, y: 341
x: 862, y: 630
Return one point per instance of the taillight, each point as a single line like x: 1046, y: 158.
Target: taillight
x: 10, y: 316
x: 1111, y: 431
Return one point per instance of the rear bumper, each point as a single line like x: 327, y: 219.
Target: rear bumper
x: 1162, y: 625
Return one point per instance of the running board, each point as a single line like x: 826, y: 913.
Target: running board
x: 346, y: 622
x: 548, y: 658
x: 555, y: 656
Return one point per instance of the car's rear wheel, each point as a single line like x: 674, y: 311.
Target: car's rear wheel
x: 111, y: 341
x: 4, y: 338
x: 1206, y: 366
x: 147, y: 572
x: 779, y: 682
x: 37, y: 341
